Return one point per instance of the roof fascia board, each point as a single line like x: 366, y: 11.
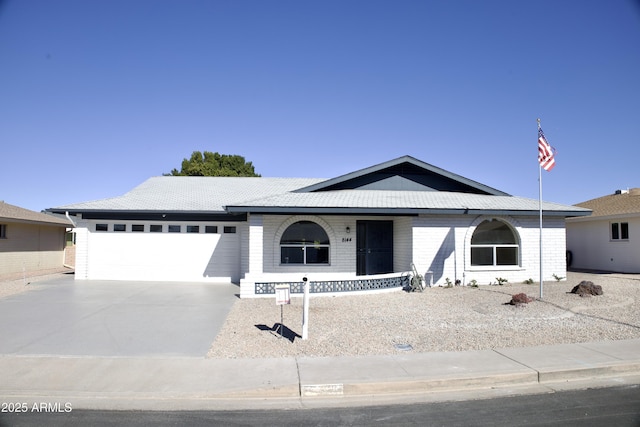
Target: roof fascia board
x: 34, y: 222
x: 606, y: 217
x: 161, y: 215
x: 395, y: 211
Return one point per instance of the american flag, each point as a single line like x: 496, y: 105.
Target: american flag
x: 545, y: 152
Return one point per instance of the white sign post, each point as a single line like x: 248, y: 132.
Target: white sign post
x: 305, y: 310
x: 283, y: 296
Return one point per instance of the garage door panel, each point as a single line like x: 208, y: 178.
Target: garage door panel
x: 165, y: 256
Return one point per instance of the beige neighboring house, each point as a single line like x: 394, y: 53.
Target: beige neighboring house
x: 30, y: 241
x: 609, y: 239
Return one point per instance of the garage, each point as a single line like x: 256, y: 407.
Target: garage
x: 161, y: 251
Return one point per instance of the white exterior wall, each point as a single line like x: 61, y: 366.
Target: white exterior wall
x: 591, y: 246
x: 342, y: 252
x: 402, y: 243
x: 159, y: 256
x: 441, y: 245
x: 82, y: 249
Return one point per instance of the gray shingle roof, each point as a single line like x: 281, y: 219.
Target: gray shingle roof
x: 311, y: 195
x: 191, y: 193
x: 377, y: 201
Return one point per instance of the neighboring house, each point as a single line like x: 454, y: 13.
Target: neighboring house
x: 359, y: 231
x: 30, y: 241
x: 609, y: 239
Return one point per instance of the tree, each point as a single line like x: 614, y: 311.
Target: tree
x: 214, y: 164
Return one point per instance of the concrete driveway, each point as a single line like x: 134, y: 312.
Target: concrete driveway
x: 105, y: 318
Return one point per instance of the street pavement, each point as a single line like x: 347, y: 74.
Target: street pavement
x: 35, y: 371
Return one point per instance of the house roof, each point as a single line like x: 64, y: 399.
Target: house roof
x: 622, y: 203
x: 190, y: 194
x: 404, y: 173
x: 401, y: 203
x: 11, y: 213
x: 404, y: 186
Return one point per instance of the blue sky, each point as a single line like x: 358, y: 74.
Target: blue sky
x: 97, y: 96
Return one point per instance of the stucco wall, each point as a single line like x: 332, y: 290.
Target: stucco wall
x: 592, y: 248
x: 31, y: 247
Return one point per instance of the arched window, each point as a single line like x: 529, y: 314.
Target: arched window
x: 494, y: 243
x: 304, y: 242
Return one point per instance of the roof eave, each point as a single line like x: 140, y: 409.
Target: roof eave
x: 394, y: 211
x: 607, y: 217
x: 36, y: 222
x: 140, y: 211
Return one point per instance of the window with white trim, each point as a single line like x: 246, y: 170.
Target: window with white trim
x: 304, y: 242
x: 494, y: 243
x: 619, y: 231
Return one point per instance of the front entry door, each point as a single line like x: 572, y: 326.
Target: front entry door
x: 374, y: 243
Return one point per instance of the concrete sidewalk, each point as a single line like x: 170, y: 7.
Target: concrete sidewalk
x: 197, y: 383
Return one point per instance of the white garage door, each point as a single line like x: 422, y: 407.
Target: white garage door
x: 164, y: 256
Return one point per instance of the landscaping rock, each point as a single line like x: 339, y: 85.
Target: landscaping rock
x: 519, y: 299
x: 586, y: 289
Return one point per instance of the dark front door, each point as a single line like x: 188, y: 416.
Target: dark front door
x: 374, y: 243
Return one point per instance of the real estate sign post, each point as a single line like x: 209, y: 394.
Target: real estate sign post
x: 283, y: 296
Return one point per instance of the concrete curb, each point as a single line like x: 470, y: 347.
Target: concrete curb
x: 184, y: 383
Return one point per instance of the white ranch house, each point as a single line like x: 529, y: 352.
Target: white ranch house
x: 357, y: 232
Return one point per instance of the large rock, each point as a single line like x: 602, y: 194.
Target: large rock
x: 519, y: 299
x: 586, y: 289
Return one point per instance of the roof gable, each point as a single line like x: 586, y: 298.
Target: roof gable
x: 402, y: 174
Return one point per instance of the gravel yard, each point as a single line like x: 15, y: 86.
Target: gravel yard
x: 438, y: 319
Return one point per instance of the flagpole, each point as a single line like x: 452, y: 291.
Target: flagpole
x: 540, y: 208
